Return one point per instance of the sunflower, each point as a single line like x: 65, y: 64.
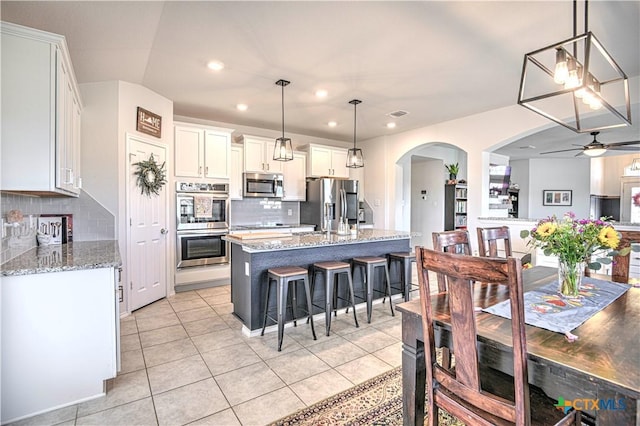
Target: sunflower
x: 609, y: 237
x: 546, y: 229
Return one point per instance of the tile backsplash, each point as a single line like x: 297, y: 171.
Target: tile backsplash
x: 264, y: 211
x: 91, y: 221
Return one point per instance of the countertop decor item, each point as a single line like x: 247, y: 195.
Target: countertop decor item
x: 574, y: 241
x: 151, y: 176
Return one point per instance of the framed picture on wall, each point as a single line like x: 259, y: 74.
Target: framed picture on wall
x: 557, y: 197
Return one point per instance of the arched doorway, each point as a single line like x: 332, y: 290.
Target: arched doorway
x: 422, y: 187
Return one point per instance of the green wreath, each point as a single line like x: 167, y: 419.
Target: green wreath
x: 151, y: 177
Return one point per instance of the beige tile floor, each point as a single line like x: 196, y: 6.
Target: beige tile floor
x: 186, y: 361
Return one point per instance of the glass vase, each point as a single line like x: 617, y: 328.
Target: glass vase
x: 570, y: 276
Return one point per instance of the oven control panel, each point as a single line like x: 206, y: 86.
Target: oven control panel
x: 211, y: 188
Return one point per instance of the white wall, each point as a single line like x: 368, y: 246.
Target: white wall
x: 556, y: 174
x: 110, y: 112
x: 427, y: 215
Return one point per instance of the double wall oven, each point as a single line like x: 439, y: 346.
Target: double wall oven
x: 202, y: 211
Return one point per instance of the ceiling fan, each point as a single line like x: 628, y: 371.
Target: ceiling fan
x: 595, y: 148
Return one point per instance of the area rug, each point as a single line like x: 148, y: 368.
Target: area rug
x: 377, y: 401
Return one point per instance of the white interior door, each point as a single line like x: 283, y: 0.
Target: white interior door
x: 147, y: 251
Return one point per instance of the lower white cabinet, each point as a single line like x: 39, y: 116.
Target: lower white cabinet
x: 60, y: 339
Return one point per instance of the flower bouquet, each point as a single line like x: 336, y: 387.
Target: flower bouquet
x: 574, y: 241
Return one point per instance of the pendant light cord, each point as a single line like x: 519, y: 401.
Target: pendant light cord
x: 282, y: 111
x: 355, y: 105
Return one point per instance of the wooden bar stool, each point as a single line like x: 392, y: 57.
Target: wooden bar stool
x: 331, y: 271
x: 283, y: 277
x: 405, y: 259
x: 369, y: 264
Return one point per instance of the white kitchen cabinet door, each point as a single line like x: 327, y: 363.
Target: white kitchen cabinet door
x: 202, y: 152
x: 320, y: 161
x: 235, y: 180
x: 40, y: 113
x: 258, y: 155
x: 217, y: 147
x: 294, y: 184
x: 339, y: 163
x: 188, y: 151
x: 327, y: 161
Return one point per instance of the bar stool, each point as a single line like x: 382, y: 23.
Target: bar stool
x: 331, y: 271
x: 405, y: 259
x: 283, y: 277
x: 369, y: 264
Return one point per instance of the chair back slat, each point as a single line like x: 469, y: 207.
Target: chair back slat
x: 461, y: 272
x: 488, y: 239
x: 621, y: 264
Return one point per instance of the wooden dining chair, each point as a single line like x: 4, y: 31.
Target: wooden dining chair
x: 451, y: 241
x: 460, y: 390
x: 457, y: 241
x: 621, y: 264
x: 489, y: 241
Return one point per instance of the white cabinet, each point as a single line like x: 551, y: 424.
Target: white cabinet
x: 41, y: 113
x: 202, y: 152
x: 60, y: 336
x: 258, y: 155
x: 327, y: 161
x: 235, y: 180
x: 294, y: 185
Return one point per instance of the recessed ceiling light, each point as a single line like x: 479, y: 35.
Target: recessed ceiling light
x: 215, y: 65
x: 391, y: 125
x: 242, y: 107
x: 321, y: 93
x: 332, y: 124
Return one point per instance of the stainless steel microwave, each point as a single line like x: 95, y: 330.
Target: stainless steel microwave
x: 262, y: 185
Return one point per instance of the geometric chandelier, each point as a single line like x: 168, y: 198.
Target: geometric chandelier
x: 576, y: 83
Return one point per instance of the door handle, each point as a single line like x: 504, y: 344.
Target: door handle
x: 163, y: 231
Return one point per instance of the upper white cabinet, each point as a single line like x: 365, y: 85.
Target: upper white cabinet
x: 41, y: 114
x: 235, y: 180
x: 258, y: 155
x: 324, y: 161
x: 294, y: 185
x: 202, y: 152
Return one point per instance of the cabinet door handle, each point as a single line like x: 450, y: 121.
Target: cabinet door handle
x: 206, y: 170
x: 267, y: 166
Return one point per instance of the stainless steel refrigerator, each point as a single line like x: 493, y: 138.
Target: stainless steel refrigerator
x: 328, y: 200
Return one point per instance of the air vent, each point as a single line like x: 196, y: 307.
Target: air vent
x: 398, y: 114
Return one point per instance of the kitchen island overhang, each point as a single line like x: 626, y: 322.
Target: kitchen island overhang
x: 250, y: 260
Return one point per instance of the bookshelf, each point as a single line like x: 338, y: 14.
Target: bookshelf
x: 455, y: 207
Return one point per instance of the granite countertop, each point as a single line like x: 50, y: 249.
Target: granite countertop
x: 521, y: 219
x: 316, y: 239
x: 64, y: 257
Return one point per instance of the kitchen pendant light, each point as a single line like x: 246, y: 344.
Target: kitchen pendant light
x: 576, y: 83
x: 354, y: 155
x: 283, y: 151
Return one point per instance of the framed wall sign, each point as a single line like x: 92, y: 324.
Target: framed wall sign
x: 149, y: 123
x: 556, y: 197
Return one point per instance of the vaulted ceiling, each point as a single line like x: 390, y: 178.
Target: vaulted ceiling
x: 435, y: 60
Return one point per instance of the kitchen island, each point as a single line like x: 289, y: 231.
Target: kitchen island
x: 60, y: 326
x: 251, y: 258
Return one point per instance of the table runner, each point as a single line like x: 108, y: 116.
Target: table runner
x: 545, y: 308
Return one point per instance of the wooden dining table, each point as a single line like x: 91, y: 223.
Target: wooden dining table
x: 599, y: 372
